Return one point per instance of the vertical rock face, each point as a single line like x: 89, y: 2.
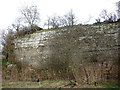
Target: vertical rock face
x: 93, y: 51
x: 33, y: 48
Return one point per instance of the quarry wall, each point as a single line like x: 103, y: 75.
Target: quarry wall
x: 92, y: 50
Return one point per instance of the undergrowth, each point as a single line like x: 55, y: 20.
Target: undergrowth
x: 110, y: 85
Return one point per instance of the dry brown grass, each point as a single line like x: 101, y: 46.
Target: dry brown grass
x: 52, y: 84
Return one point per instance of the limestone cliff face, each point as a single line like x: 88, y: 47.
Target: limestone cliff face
x: 33, y: 48
x: 86, y: 46
x: 38, y: 47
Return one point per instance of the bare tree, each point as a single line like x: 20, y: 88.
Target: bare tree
x: 118, y: 9
x: 112, y: 17
x: 18, y: 24
x: 70, y: 18
x: 63, y: 21
x: 98, y: 20
x: 48, y: 22
x: 7, y: 44
x: 54, y: 22
x: 30, y: 15
x: 108, y: 17
x: 104, y: 14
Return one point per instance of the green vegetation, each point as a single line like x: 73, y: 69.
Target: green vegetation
x: 110, y: 85
x: 5, y: 62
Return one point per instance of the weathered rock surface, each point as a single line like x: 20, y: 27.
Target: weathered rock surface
x: 86, y: 46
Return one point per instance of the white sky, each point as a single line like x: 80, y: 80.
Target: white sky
x: 9, y: 9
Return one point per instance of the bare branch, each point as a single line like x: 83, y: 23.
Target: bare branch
x: 30, y: 15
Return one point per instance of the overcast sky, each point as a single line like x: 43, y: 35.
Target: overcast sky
x: 83, y: 9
